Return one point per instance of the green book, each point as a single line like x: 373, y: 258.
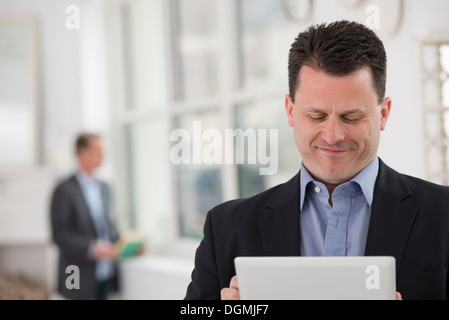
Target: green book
x: 131, y: 243
x: 131, y: 249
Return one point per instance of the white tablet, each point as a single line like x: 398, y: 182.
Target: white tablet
x: 316, y: 278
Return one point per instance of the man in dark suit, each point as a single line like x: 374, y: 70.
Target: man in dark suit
x: 82, y: 227
x: 344, y: 200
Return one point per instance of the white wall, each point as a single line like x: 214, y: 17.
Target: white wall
x: 59, y: 84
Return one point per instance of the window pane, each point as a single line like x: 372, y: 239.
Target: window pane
x: 268, y: 114
x: 444, y: 54
x: 432, y: 93
x: 444, y: 57
x: 197, y: 45
x: 18, y: 117
x: 445, y: 93
x: 446, y: 127
x: 143, y: 40
x: 150, y: 195
x: 266, y: 35
x: 199, y: 184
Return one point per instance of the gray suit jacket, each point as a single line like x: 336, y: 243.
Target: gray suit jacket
x: 73, y: 231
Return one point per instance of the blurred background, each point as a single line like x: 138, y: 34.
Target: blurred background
x: 135, y: 70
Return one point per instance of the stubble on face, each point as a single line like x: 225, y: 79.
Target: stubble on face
x: 337, y: 123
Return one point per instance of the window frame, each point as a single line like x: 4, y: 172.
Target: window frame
x: 230, y: 95
x: 441, y: 141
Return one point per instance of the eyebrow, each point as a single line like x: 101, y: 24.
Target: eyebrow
x: 318, y: 110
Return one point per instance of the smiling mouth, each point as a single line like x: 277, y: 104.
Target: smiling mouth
x: 334, y: 151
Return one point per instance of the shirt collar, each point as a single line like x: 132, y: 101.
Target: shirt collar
x: 84, y: 178
x: 365, y: 178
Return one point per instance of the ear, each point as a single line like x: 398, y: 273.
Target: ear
x: 289, y: 109
x: 385, y: 112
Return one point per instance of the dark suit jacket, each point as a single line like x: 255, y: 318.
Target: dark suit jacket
x: 73, y: 231
x: 409, y: 221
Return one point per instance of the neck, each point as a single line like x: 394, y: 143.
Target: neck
x: 87, y: 171
x: 330, y: 189
x: 329, y: 186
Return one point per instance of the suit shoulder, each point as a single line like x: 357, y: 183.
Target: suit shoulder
x: 64, y: 186
x: 431, y: 196
x: 65, y: 182
x: 391, y: 178
x: 431, y: 200
x: 419, y: 185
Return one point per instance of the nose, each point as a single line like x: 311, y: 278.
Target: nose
x: 333, y: 131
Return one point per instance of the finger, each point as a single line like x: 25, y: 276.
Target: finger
x: 234, y: 284
x: 229, y: 294
x: 398, y: 296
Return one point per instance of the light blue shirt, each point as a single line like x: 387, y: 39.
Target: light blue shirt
x: 91, y: 189
x: 341, y: 229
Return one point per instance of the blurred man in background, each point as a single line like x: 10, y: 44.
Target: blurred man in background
x: 82, y: 227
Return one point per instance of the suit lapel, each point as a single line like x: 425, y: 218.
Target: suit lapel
x: 279, y: 222
x: 391, y: 217
x: 83, y: 208
x: 107, y: 210
x: 390, y: 223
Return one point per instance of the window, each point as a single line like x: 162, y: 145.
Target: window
x: 266, y: 33
x: 196, y: 48
x: 435, y: 84
x: 199, y: 65
x: 199, y: 185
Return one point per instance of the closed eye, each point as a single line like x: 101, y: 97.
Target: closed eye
x: 351, y: 118
x: 317, y: 116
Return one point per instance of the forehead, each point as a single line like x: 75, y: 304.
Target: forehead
x: 319, y: 88
x: 94, y: 142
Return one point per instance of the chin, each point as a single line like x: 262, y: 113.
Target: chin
x: 337, y: 176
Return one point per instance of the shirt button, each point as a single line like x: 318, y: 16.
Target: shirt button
x: 317, y: 189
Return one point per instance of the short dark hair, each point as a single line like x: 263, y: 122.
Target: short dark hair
x: 83, y: 141
x: 339, y: 48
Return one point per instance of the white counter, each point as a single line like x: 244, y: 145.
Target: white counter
x: 155, y: 278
